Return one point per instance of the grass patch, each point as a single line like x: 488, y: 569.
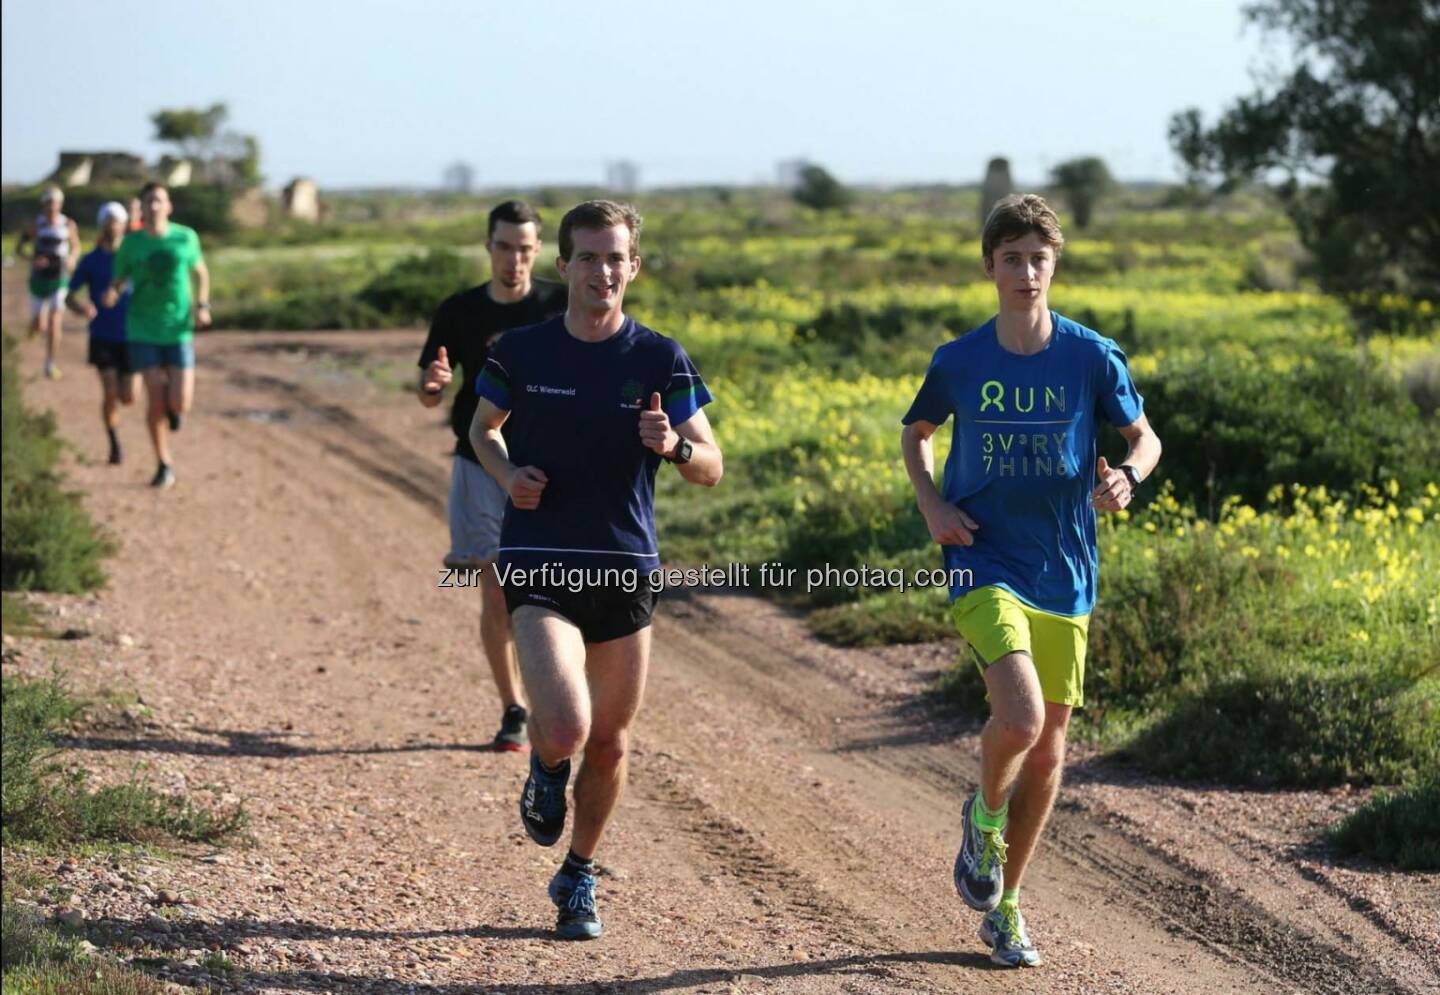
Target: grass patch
x: 47, y: 803
x: 47, y: 540
x: 1297, y: 727
x: 17, y: 618
x: 1396, y: 827
x: 891, y: 617
x: 37, y: 959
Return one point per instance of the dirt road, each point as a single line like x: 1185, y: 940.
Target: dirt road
x: 791, y: 817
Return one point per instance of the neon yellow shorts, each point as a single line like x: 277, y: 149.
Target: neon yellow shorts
x: 995, y: 622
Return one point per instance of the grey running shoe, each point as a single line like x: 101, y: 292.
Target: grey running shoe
x: 512, y: 737
x: 980, y: 864
x: 542, y: 803
x: 1010, y: 946
x: 164, y: 476
x: 574, y: 896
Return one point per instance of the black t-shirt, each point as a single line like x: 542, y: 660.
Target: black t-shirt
x: 467, y: 325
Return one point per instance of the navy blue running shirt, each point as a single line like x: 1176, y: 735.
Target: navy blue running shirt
x: 1022, y: 456
x: 575, y: 413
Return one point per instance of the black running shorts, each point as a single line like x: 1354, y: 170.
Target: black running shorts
x: 601, y: 613
x: 109, y: 355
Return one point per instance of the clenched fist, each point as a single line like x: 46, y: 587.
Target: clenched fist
x: 525, y: 487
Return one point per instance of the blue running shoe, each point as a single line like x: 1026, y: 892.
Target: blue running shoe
x: 1010, y: 946
x: 542, y: 803
x: 574, y: 896
x: 980, y: 864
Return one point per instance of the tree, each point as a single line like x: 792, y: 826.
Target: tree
x: 1350, y: 133
x: 820, y: 190
x: 231, y: 158
x: 1084, y: 182
x: 193, y: 130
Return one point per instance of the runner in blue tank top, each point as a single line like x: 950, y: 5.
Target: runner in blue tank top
x: 592, y: 403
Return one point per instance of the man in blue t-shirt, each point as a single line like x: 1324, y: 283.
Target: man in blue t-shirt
x: 592, y: 402
x: 1017, y: 523
x: 108, y: 351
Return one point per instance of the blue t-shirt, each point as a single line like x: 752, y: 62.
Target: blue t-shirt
x: 1022, y: 457
x: 93, y: 273
x: 575, y: 413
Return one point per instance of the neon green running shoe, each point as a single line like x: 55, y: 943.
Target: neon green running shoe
x: 1010, y: 946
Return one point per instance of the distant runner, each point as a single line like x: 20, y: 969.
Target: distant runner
x: 55, y: 245
x: 465, y: 327
x: 594, y: 402
x: 1022, y: 484
x: 159, y: 262
x: 108, y: 351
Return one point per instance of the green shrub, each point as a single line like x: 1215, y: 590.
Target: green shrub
x: 38, y: 959
x: 1293, y: 726
x: 47, y: 541
x: 1396, y: 827
x: 303, y: 311
x: 409, y: 291
x: 1237, y: 428
x: 890, y: 618
x: 44, y: 802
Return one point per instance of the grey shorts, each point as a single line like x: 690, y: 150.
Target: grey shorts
x: 476, y: 507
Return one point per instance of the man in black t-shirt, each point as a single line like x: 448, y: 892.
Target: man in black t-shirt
x: 465, y: 327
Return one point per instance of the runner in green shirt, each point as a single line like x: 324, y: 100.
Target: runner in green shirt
x: 158, y: 262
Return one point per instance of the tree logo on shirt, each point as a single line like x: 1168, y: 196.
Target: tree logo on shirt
x: 632, y: 394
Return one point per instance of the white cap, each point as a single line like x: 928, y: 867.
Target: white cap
x: 111, y: 209
x: 51, y: 193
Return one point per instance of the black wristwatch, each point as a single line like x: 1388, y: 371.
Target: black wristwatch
x: 682, y: 452
x: 1131, y: 474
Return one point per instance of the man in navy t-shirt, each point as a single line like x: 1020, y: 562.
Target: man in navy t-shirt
x: 1027, y: 390
x: 108, y: 352
x: 592, y: 403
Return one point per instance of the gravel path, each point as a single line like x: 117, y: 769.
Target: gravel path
x: 790, y: 821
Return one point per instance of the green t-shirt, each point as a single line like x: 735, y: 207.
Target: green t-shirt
x: 158, y: 268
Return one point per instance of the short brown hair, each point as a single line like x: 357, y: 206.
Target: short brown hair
x: 599, y: 215
x: 1016, y: 216
x: 515, y: 212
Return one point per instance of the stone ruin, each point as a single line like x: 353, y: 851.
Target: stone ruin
x: 997, y: 186
x: 301, y: 200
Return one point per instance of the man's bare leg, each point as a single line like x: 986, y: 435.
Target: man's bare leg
x: 1017, y: 716
x: 181, y: 393
x: 157, y: 387
x: 1035, y: 791
x: 54, y: 325
x: 496, y: 637
x: 110, y: 408
x: 617, y: 671
x: 551, y: 655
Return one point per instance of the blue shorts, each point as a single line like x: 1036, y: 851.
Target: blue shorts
x: 146, y: 355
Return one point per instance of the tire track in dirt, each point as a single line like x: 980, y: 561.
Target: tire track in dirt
x: 1187, y: 899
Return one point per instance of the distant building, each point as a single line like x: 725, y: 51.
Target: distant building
x: 459, y: 177
x: 301, y: 200
x: 622, y: 176
x: 77, y: 169
x: 787, y: 172
x: 174, y: 172
x: 996, y: 187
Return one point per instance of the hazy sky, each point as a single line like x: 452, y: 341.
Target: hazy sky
x: 369, y: 92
